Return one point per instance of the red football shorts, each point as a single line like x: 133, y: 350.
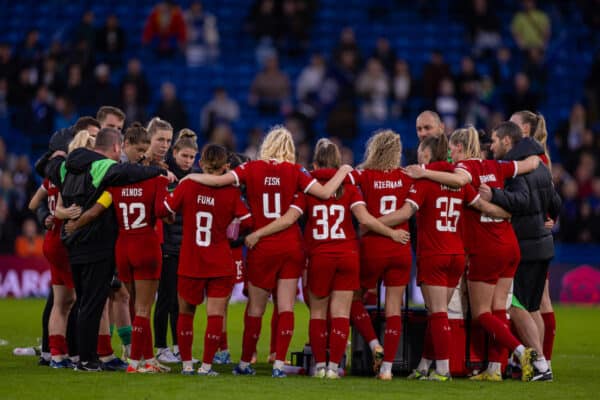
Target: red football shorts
x: 266, y: 266
x: 238, y: 261
x: 442, y: 270
x: 58, y: 257
x: 394, y: 270
x: 193, y: 290
x: 488, y: 267
x: 327, y: 273
x: 138, y: 257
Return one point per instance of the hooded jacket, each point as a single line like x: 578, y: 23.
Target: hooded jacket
x: 59, y: 141
x: 530, y: 198
x: 82, y: 178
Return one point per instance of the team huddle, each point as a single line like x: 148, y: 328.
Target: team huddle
x: 182, y: 234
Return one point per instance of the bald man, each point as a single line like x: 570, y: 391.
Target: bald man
x: 429, y: 124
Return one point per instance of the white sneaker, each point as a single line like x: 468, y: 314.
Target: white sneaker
x: 166, y: 356
x: 331, y: 374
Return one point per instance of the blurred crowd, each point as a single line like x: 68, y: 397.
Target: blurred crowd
x: 44, y: 89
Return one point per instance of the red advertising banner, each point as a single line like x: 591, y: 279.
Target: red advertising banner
x: 24, y: 277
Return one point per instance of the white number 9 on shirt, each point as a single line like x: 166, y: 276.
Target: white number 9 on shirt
x: 387, y: 205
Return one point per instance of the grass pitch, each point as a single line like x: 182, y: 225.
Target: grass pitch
x: 576, y: 365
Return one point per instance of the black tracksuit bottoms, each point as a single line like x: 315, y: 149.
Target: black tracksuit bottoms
x: 92, y: 286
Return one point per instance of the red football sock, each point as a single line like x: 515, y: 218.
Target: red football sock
x: 362, y: 321
x: 338, y: 338
x: 104, y: 348
x: 498, y: 330
x: 212, y: 337
x: 496, y: 351
x: 252, y: 327
x: 138, y: 338
x: 57, y: 344
x: 428, y: 343
x: 223, y: 344
x: 318, y: 339
x: 391, y: 338
x: 285, y: 331
x: 549, y: 333
x: 440, y: 329
x: 185, y: 335
x: 274, y: 324
x: 148, y: 349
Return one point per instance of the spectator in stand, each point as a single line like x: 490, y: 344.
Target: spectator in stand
x: 593, y: 88
x: 468, y: 81
x: 296, y: 21
x: 136, y: 76
x: 347, y: 44
x: 255, y: 137
x: 131, y: 106
x: 170, y: 108
x: 373, y: 85
x: 39, y: 116
x: 8, y: 231
x: 570, y: 219
x: 223, y: 135
x: 584, y: 173
x: 66, y: 114
x: 263, y: 21
x: 111, y: 41
x: 270, y: 90
x: 75, y: 88
x: 339, y: 95
x: 202, y: 34
x: 165, y: 29
x: 447, y: 106
x: 30, y: 243
x: 530, y: 27
x: 569, y: 135
x: 536, y: 70
x: 8, y: 66
x: 4, y: 104
x: 308, y: 86
x: 85, y: 31
x: 385, y: 54
x: 484, y: 26
x: 220, y: 109
x: 522, y: 97
x: 30, y: 50
x: 50, y: 76
x: 24, y: 183
x: 9, y: 194
x: 401, y: 86
x: 434, y: 72
x: 503, y: 69
x: 21, y: 92
x: 103, y: 91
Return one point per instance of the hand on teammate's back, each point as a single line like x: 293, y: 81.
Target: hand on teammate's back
x: 73, y: 212
x: 485, y: 192
x: 401, y: 236
x: 414, y: 171
x: 251, y: 240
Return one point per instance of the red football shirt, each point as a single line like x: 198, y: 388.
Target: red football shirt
x: 384, y: 192
x: 207, y: 211
x: 53, y: 234
x: 439, y: 211
x: 482, y: 233
x: 270, y: 189
x: 329, y: 228
x: 135, y: 204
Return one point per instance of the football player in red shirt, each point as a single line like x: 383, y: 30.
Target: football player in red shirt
x: 534, y: 125
x: 205, y: 263
x: 384, y: 187
x: 271, y: 183
x: 139, y: 270
x: 440, y: 249
x: 490, y: 243
x: 333, y: 253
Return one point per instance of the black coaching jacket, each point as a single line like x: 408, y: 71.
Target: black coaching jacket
x: 530, y: 198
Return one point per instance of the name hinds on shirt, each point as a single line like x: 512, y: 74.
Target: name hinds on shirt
x: 132, y: 192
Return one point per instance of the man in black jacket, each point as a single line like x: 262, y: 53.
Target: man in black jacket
x: 530, y: 198
x: 82, y: 179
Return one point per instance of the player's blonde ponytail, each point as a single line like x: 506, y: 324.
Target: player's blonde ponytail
x: 383, y: 151
x: 469, y: 139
